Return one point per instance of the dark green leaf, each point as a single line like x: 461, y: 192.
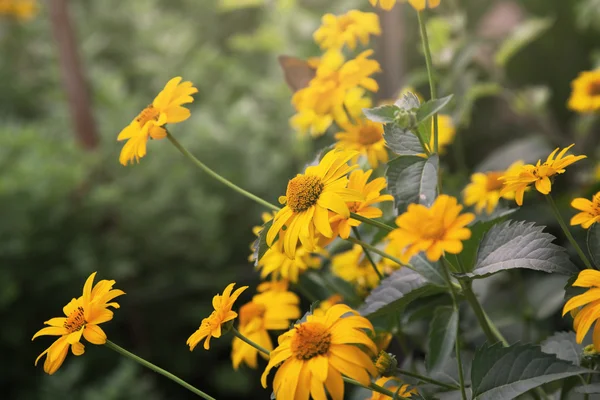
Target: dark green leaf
x: 564, y: 347
x: 442, y: 336
x: 401, y: 141
x: 430, y: 270
x: 520, y: 245
x: 545, y: 295
x: 409, y: 101
x: 593, y: 243
x: 396, y: 291
x: 524, y: 34
x: 506, y: 372
x: 431, y: 107
x: 260, y: 244
x: 529, y: 150
x: 594, y: 388
x: 424, y: 131
x: 383, y: 114
x: 412, y: 179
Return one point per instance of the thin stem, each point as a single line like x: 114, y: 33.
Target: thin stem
x: 381, y: 253
x: 373, y: 387
x: 565, y: 229
x: 427, y: 380
x: 489, y: 329
x: 367, y: 254
x: 218, y: 177
x: 156, y: 369
x: 429, y: 63
x: 370, y: 221
x: 250, y: 342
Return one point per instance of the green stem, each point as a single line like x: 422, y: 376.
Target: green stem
x: 218, y: 177
x: 427, y: 380
x: 250, y: 342
x: 489, y: 329
x: 565, y: 229
x: 156, y: 369
x: 381, y: 253
x: 429, y: 63
x: 372, y: 222
x: 373, y: 387
x: 367, y: 254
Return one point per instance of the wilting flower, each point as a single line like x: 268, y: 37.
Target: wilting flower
x: 308, y: 199
x: 434, y: 230
x: 520, y: 179
x: 83, y: 317
x: 393, y: 385
x: 586, y: 306
x: 484, y: 190
x: 337, y: 91
x: 211, y: 326
x: 585, y: 95
x: 270, y: 310
x: 446, y: 133
x: 315, y: 354
x: 418, y: 5
x: 366, y: 137
x: 327, y: 304
x: 165, y: 109
x: 347, y: 29
x: 20, y: 9
x: 372, y: 195
x: 590, y: 211
x: 354, y: 267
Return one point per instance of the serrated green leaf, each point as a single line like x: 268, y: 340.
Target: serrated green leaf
x: 511, y: 245
x: 594, y: 388
x: 412, y: 179
x: 431, y: 107
x: 442, y: 336
x: 525, y: 33
x: 564, y: 346
x: 506, y: 372
x: 593, y: 243
x: 260, y: 244
x: 396, y: 291
x: 401, y: 141
x: 384, y: 114
x: 430, y: 270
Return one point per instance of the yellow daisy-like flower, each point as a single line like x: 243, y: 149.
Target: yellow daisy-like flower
x: 82, y: 318
x: 327, y: 304
x: 418, y: 5
x: 270, y: 310
x: 211, y: 326
x: 372, y: 194
x: 315, y: 354
x: 347, y: 29
x: 586, y: 306
x: 337, y: 89
x: 20, y: 9
x: 590, y: 211
x: 277, y: 264
x: 446, y: 133
x: 366, y: 137
x: 520, y: 179
x: 393, y: 385
x: 585, y: 95
x: 354, y: 267
x: 165, y: 109
x: 308, y: 199
x: 435, y: 230
x: 484, y: 190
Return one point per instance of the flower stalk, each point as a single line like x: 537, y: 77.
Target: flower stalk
x: 367, y: 254
x: 429, y: 63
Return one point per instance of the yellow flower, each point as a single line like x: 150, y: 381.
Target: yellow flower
x: 277, y: 264
x: 346, y: 29
x: 271, y: 310
x: 315, y: 354
x: 83, y: 317
x: 366, y: 137
x: 590, y: 211
x: 20, y: 9
x: 435, y: 230
x: 372, y: 195
x: 327, y: 304
x: 308, y: 198
x: 354, y: 267
x: 485, y: 187
x: 392, y: 384
x: 276, y: 286
x: 165, y: 109
x: 337, y: 89
x: 520, y: 179
x: 418, y: 5
x: 585, y: 95
x: 446, y: 133
x: 211, y: 326
x: 587, y: 306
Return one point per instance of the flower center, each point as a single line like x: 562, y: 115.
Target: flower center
x: 311, y: 339
x: 370, y: 134
x: 148, y: 114
x: 303, y: 192
x: 493, y: 183
x: 75, y: 321
x: 250, y: 311
x: 594, y: 88
x: 433, y: 230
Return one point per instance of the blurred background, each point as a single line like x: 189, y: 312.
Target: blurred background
x: 170, y: 235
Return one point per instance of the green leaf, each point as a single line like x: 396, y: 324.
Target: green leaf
x: 432, y: 107
x: 593, y: 243
x: 525, y: 33
x: 384, y: 114
x: 412, y: 179
x: 522, y: 244
x: 424, y: 131
x: 401, y: 141
x: 529, y: 150
x: 260, y: 244
x: 430, y: 270
x: 442, y: 336
x: 594, y: 388
x: 506, y: 372
x: 564, y: 346
x: 396, y: 291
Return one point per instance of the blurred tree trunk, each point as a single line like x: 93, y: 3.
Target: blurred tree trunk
x: 391, y: 52
x: 72, y: 75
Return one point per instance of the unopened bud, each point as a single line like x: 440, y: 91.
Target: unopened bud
x: 386, y: 364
